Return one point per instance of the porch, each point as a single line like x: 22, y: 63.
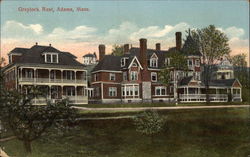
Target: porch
x: 198, y: 94
x: 75, y: 94
x: 51, y: 76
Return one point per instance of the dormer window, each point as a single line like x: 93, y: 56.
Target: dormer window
x: 153, y: 62
x: 51, y: 57
x: 123, y: 61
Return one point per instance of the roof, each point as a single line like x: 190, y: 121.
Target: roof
x: 225, y: 82
x: 90, y: 55
x: 19, y: 50
x: 185, y: 81
x: 34, y: 56
x: 109, y: 62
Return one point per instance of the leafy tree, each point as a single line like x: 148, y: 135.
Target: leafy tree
x: 29, y: 122
x: 239, y: 60
x: 117, y: 50
x: 241, y: 72
x: 213, y: 45
x: 2, y: 62
x: 149, y: 123
x: 177, y: 61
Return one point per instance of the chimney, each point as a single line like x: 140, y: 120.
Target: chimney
x: 36, y: 43
x: 158, y: 47
x: 49, y: 45
x: 126, y: 48
x: 101, y: 52
x: 178, y: 40
x: 143, y: 55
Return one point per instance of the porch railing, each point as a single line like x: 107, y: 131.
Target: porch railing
x: 202, y: 97
x: 47, y: 80
x: 80, y: 99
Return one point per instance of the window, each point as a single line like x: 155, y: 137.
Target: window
x: 51, y: 58
x: 160, y: 91
x: 167, y: 61
x: 97, y: 91
x: 95, y: 77
x: 123, y: 61
x: 53, y: 74
x: 130, y: 91
x: 154, y: 76
x: 197, y: 62
x: 153, y: 62
x: 28, y: 73
x: 134, y: 76
x: 112, y: 91
x: 112, y: 76
x: 69, y: 75
x: 70, y: 91
x: 190, y: 62
x: 124, y: 75
x: 134, y: 65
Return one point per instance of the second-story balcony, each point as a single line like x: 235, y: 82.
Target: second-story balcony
x: 53, y: 76
x: 47, y: 80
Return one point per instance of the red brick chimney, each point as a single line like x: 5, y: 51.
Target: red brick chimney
x: 145, y: 75
x: 158, y: 47
x: 143, y: 55
x: 101, y: 52
x: 126, y: 48
x: 178, y: 40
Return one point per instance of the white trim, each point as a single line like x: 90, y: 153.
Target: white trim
x: 104, y: 82
x: 135, y: 58
x: 53, y: 68
x: 106, y: 71
x: 154, y: 69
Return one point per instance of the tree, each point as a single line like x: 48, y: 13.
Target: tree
x: 177, y: 62
x: 239, y: 60
x: 213, y: 45
x: 117, y: 50
x: 29, y: 122
x: 149, y: 123
x: 241, y: 71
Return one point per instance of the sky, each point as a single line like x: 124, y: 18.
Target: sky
x: 119, y: 22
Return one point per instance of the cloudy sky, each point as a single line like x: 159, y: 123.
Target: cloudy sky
x: 119, y: 22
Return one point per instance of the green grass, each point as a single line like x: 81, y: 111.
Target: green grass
x: 188, y: 133
x: 158, y: 104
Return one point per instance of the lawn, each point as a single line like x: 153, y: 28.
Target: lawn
x: 158, y: 104
x: 188, y: 133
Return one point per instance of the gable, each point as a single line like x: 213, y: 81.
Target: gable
x: 236, y: 84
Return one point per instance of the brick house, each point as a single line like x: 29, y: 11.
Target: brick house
x: 45, y: 66
x: 133, y: 77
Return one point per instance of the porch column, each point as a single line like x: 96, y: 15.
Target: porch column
x: 232, y: 94
x: 49, y: 75
x: 133, y: 91
x: 35, y: 75
x: 75, y: 76
x: 75, y: 93
x: 61, y: 75
x: 187, y: 94
x: 21, y: 74
x: 240, y: 95
x: 125, y: 92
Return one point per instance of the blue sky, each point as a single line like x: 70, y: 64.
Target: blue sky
x: 118, y: 22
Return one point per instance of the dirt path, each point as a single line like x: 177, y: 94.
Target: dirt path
x: 2, y: 153
x: 160, y: 108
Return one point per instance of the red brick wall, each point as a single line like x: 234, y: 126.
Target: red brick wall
x: 106, y: 91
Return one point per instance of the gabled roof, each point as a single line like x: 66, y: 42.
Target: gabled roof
x: 185, y: 81
x: 34, y: 56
